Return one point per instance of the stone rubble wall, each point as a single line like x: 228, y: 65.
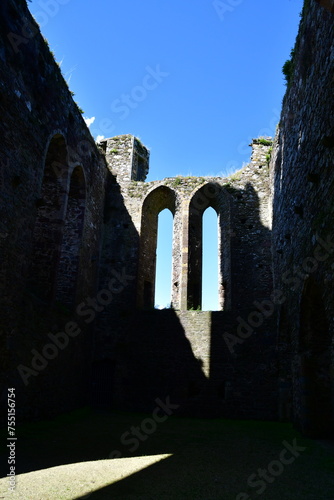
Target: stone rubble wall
x: 302, y: 180
x: 78, y: 232
x: 147, y: 348
x: 37, y: 108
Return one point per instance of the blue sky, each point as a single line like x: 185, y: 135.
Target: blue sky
x: 195, y: 80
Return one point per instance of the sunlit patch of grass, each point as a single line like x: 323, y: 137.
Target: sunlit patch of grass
x: 203, y: 458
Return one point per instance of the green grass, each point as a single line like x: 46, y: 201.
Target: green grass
x: 183, y: 459
x: 263, y: 141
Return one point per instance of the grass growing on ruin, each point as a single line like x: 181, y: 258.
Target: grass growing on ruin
x: 263, y: 141
x: 236, y: 176
x: 268, y: 155
x: 182, y: 459
x: 288, y: 68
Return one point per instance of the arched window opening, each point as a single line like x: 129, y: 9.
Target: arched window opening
x: 210, y: 269
x: 70, y: 249
x: 48, y: 225
x: 205, y: 286
x: 163, y: 274
x: 158, y: 200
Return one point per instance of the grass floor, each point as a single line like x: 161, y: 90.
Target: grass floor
x: 195, y: 459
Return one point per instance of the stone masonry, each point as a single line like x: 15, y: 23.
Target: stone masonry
x: 133, y: 347
x: 78, y: 238
x: 303, y: 187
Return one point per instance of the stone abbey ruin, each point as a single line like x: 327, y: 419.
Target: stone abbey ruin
x: 78, y: 236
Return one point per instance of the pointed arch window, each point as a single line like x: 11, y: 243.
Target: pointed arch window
x: 157, y: 201
x: 210, y: 268
x: 163, y: 276
x: 205, y: 281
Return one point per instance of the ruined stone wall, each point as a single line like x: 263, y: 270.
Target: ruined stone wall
x: 242, y: 206
x: 47, y: 215
x: 303, y: 216
x: 78, y: 231
x: 214, y: 363
x: 183, y: 355
x: 127, y: 157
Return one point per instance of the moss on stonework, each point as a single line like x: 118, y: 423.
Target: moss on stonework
x: 305, y: 9
x: 289, y: 65
x: 188, y: 180
x: 235, y: 177
x: 134, y: 194
x: 263, y: 141
x: 176, y: 182
x: 268, y: 156
x: 288, y: 68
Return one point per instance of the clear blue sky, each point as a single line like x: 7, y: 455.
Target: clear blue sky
x: 195, y: 80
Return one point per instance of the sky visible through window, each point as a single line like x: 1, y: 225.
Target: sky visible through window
x: 164, y: 260
x: 210, y: 260
x: 210, y: 271
x: 195, y: 80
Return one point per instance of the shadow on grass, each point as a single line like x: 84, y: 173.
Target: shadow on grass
x: 209, y: 459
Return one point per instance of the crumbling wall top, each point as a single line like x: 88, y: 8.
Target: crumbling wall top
x: 127, y: 158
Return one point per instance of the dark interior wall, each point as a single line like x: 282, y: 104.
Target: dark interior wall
x: 303, y: 215
x: 72, y: 232
x: 212, y: 363
x: 45, y: 147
